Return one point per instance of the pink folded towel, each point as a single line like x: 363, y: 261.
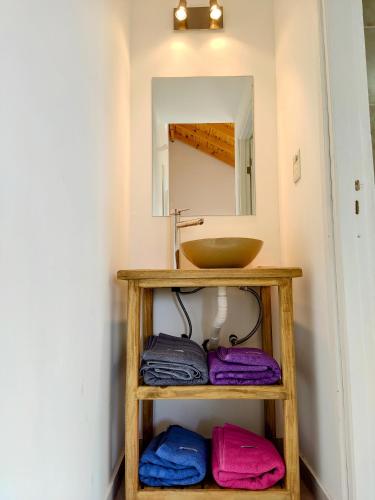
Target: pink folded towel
x: 244, y: 460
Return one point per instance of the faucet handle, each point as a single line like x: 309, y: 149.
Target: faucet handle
x: 179, y: 211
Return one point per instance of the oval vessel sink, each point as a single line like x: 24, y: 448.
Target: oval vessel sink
x: 214, y: 253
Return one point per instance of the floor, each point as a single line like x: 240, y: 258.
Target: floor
x: 305, y: 493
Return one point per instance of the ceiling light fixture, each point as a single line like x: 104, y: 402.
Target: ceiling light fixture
x: 181, y: 12
x: 215, y: 10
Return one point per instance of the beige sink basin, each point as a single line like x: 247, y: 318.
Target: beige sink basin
x: 214, y: 253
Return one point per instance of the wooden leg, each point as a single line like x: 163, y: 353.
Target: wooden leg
x: 147, y: 406
x: 131, y: 402
x: 291, y: 447
x: 267, y: 345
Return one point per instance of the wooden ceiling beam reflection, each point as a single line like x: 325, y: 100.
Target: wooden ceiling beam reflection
x: 200, y: 135
x: 213, y: 139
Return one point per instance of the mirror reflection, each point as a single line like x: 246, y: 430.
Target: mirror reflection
x: 201, y: 167
x: 203, y: 146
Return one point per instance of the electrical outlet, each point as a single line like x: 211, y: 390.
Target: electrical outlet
x: 297, y: 173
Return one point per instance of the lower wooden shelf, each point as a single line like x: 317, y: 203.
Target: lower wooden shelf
x: 212, y: 392
x: 210, y: 491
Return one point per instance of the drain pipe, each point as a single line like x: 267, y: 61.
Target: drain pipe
x: 220, y: 318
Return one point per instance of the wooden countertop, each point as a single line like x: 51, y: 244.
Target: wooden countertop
x: 189, y: 274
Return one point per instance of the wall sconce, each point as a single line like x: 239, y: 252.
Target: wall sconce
x: 216, y: 11
x: 181, y: 11
x: 198, y: 18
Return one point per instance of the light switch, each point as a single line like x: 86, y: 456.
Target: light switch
x: 297, y: 173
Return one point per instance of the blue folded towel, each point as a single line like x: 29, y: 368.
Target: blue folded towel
x: 177, y: 457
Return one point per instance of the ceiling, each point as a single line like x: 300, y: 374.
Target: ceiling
x: 213, y: 139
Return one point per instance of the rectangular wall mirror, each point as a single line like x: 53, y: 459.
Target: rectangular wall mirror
x: 203, y: 145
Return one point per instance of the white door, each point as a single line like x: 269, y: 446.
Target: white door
x: 354, y: 228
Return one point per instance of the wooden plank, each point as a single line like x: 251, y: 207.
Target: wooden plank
x: 131, y: 402
x: 291, y: 446
x: 211, y: 490
x: 204, y: 139
x: 172, y: 130
x: 227, y: 129
x: 267, y: 345
x: 267, y: 342
x: 206, y: 282
x: 204, y: 133
x: 224, y: 131
x: 186, y: 274
x: 147, y: 314
x: 147, y: 405
x: 225, y: 135
x: 212, y: 392
x: 206, y: 148
x: 212, y: 494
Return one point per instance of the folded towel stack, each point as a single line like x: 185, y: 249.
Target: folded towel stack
x: 177, y: 457
x: 244, y: 460
x: 242, y: 366
x: 169, y: 360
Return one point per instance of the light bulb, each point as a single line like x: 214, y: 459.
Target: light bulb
x: 215, y: 12
x: 181, y: 13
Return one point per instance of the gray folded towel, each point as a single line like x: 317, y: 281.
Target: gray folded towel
x: 169, y: 360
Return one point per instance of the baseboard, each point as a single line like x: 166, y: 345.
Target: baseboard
x: 117, y: 478
x: 311, y: 481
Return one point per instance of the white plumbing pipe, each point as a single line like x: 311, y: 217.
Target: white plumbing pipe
x: 220, y: 318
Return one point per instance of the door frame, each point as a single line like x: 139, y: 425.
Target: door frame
x: 354, y: 234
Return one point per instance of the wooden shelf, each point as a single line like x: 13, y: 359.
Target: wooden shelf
x: 211, y: 492
x: 212, y: 392
x: 141, y: 285
x: 168, y: 278
x: 261, y: 273
x: 208, y: 489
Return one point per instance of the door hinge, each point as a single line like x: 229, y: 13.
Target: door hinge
x: 356, y: 207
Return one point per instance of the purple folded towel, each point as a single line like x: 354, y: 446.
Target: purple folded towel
x: 242, y: 366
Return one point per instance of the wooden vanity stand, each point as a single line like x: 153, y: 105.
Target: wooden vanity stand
x: 141, y: 284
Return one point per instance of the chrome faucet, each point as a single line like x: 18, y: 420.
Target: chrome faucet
x: 179, y: 224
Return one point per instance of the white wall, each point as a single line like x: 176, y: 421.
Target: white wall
x: 199, y: 181
x: 201, y: 99
x: 306, y: 236
x: 245, y: 47
x: 64, y: 101
x: 203, y: 415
